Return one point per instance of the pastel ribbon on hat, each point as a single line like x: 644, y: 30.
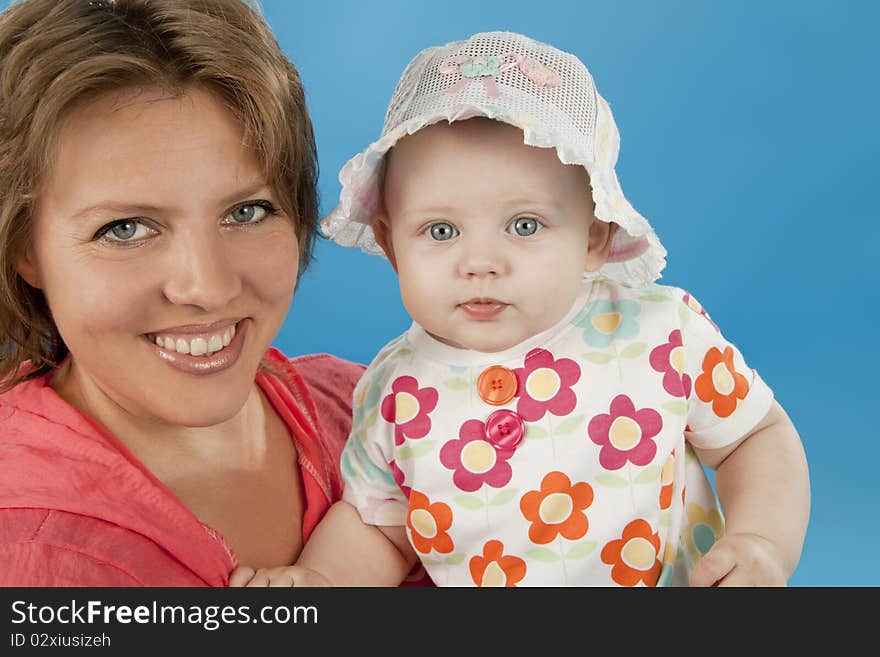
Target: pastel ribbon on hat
x: 484, y: 68
x: 487, y: 68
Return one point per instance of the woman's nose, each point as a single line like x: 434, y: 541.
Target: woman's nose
x: 202, y: 275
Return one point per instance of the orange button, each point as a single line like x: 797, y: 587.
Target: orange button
x: 497, y: 385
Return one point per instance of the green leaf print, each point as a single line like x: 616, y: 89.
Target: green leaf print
x: 503, y: 497
x: 583, y: 319
x: 634, y: 350
x: 457, y: 384
x: 371, y: 418
x: 598, y: 357
x: 648, y: 475
x: 469, y: 502
x: 533, y: 431
x: 569, y: 425
x: 684, y: 314
x: 676, y: 407
x: 544, y: 554
x: 612, y: 481
x: 654, y: 297
x: 453, y: 559
x: 421, y: 448
x: 581, y: 550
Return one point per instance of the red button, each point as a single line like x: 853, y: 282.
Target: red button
x: 497, y: 385
x: 505, y: 429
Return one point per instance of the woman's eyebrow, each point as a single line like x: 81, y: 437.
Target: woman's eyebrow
x: 115, y: 207
x: 245, y: 191
x: 134, y: 209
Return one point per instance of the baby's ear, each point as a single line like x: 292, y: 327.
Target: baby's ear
x: 382, y: 230
x: 601, y: 236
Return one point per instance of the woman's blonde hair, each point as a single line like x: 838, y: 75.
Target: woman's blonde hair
x: 55, y: 53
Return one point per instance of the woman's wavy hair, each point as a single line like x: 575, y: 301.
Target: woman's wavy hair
x: 57, y: 53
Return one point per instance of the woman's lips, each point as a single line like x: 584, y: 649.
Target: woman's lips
x: 219, y: 361
x: 482, y: 309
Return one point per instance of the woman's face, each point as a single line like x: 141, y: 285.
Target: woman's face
x: 165, y: 258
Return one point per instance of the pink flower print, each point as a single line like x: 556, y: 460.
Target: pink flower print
x: 544, y: 384
x: 697, y: 307
x: 474, y: 460
x: 407, y: 407
x: 399, y: 477
x: 625, y: 434
x: 668, y: 359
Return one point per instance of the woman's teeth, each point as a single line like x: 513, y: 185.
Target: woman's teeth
x: 198, y: 346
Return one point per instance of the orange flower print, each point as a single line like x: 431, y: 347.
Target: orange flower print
x: 427, y: 524
x: 557, y: 509
x: 633, y: 557
x: 495, y: 569
x: 720, y: 383
x: 667, y: 476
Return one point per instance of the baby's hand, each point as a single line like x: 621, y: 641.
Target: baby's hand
x: 281, y: 576
x: 740, y: 560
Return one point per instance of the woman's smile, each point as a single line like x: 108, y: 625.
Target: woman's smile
x: 200, y: 350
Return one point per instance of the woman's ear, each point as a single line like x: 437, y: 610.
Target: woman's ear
x: 599, y: 246
x: 382, y: 230
x: 26, y: 266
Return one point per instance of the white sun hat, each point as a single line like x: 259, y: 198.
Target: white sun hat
x: 547, y: 93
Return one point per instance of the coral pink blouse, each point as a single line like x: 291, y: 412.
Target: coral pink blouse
x: 78, y: 509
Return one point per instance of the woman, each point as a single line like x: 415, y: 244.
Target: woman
x: 157, y: 204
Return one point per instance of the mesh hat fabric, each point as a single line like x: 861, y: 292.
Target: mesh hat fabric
x: 543, y: 91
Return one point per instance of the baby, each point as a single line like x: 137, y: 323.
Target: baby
x: 544, y: 420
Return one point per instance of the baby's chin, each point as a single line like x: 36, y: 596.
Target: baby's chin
x: 484, y: 344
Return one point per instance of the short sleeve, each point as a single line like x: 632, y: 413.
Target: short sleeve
x: 367, y: 459
x: 727, y: 398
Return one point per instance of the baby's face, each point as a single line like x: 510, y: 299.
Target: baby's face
x: 489, y: 237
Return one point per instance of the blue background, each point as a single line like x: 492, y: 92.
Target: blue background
x: 749, y: 141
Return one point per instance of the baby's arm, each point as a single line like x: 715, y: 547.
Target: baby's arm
x: 342, y: 551
x: 764, y: 488
x: 349, y: 552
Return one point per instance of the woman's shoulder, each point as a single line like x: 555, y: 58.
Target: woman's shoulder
x: 328, y: 380
x: 321, y: 369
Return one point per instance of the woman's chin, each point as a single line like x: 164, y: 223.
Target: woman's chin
x: 195, y: 410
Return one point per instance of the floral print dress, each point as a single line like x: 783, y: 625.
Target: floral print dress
x: 564, y: 461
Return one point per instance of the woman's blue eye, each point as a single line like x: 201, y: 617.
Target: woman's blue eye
x: 442, y: 231
x: 525, y: 226
x: 124, y: 230
x: 247, y: 214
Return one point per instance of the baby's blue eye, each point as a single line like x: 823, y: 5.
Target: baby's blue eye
x: 442, y: 231
x: 525, y: 226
